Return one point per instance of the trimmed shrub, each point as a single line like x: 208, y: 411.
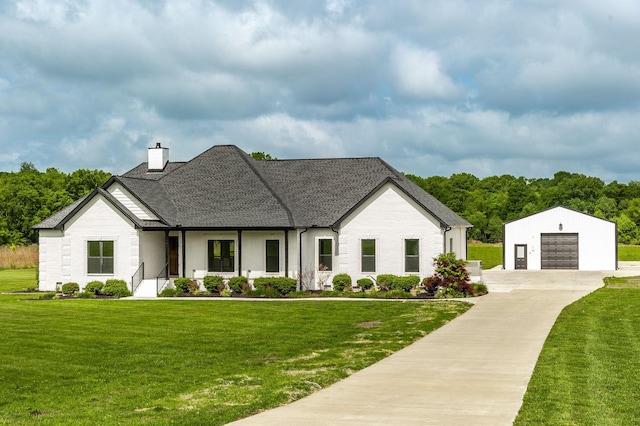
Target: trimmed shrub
x: 384, y: 281
x: 405, y: 283
x: 70, y: 288
x: 342, y: 282
x: 182, y: 284
x: 212, y: 283
x: 168, y: 292
x: 283, y: 285
x: 365, y: 283
x: 116, y: 288
x: 94, y: 287
x: 86, y: 295
x: 238, y: 284
x: 451, y: 278
x: 388, y: 282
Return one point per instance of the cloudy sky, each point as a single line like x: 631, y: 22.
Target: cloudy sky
x: 434, y: 87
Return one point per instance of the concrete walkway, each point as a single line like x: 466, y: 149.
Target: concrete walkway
x: 472, y: 371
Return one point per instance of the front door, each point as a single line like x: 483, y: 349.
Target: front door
x: 173, y: 256
x: 521, y: 256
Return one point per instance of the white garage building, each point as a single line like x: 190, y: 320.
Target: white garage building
x: 560, y: 238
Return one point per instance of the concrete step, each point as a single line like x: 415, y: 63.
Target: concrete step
x: 147, y: 288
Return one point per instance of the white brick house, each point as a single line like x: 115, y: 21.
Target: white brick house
x: 224, y: 213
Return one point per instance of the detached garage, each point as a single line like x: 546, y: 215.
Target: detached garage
x: 560, y: 238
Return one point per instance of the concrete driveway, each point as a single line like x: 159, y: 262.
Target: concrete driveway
x: 474, y: 370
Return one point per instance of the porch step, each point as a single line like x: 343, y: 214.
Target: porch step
x: 147, y: 288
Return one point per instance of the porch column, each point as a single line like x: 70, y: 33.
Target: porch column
x: 166, y: 253
x: 239, y: 251
x: 286, y: 253
x: 184, y: 253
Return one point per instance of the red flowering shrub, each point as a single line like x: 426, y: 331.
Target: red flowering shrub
x: 451, y: 278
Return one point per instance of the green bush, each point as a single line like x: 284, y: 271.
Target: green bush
x: 238, y: 284
x: 405, y: 283
x: 86, y: 295
x: 449, y: 293
x: 168, y: 292
x: 213, y: 282
x: 70, y: 288
x: 365, y: 283
x: 342, y: 282
x: 116, y: 288
x: 479, y: 289
x: 391, y: 282
x: 384, y: 281
x: 182, y: 284
x: 450, y: 279
x: 283, y: 285
x: 94, y: 287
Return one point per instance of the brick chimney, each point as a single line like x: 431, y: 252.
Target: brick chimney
x: 158, y: 158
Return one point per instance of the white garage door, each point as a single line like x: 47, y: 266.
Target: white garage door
x: 559, y: 251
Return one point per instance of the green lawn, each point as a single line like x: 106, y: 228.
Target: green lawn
x: 490, y: 254
x: 627, y: 253
x: 187, y: 362
x: 17, y: 279
x: 589, y: 369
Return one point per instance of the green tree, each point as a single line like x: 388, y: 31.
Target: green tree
x: 262, y: 156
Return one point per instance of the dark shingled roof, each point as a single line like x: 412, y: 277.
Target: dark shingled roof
x: 226, y: 188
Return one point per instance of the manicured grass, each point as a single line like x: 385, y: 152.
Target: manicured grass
x: 490, y: 254
x: 17, y: 279
x: 589, y: 369
x: 628, y: 253
x: 188, y: 362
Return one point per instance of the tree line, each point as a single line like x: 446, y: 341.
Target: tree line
x: 29, y: 196
x: 489, y: 202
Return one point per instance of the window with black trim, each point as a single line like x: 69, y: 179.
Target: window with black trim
x: 325, y: 257
x: 368, y: 250
x: 273, y: 256
x: 411, y: 255
x: 100, y: 257
x: 221, y: 256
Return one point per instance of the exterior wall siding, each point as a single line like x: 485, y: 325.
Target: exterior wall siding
x: 253, y: 253
x: 152, y: 252
x: 50, y: 250
x: 389, y: 217
x: 66, y: 251
x: 597, y: 238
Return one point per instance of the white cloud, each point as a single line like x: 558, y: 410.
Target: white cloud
x: 419, y: 74
x: 434, y: 87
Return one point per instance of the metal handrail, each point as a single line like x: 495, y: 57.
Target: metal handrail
x: 164, y: 273
x: 137, y: 278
